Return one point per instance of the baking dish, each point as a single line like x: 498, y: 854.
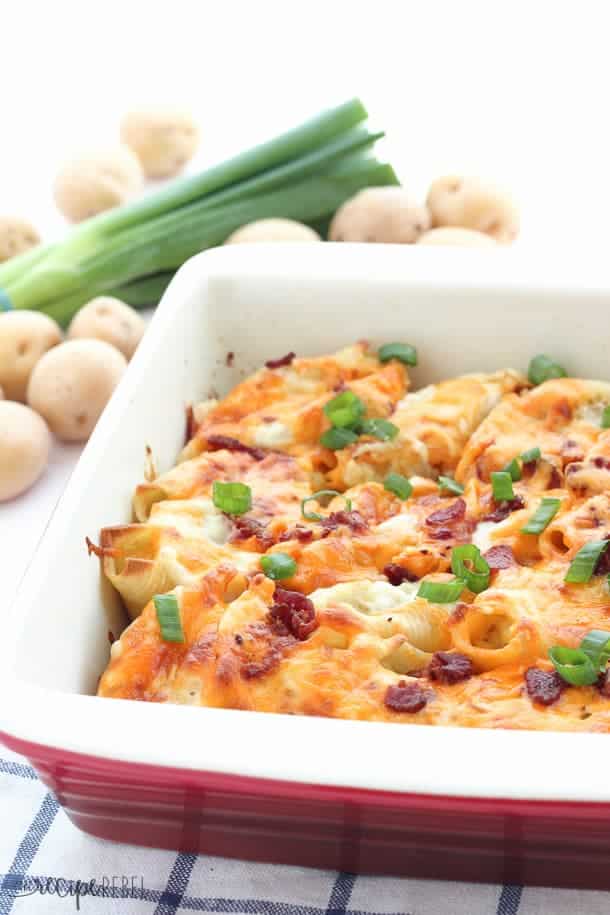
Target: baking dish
x: 491, y: 805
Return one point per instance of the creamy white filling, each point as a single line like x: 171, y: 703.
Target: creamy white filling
x: 217, y: 528
x: 482, y: 535
x: 273, y: 435
x: 591, y: 412
x: 403, y: 524
x: 366, y: 596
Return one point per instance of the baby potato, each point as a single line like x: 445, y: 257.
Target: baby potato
x: 272, y: 230
x: 163, y: 139
x: 454, y: 235
x: 16, y: 236
x: 72, y: 384
x: 96, y: 182
x: 24, y: 337
x: 472, y: 203
x: 380, y: 214
x: 24, y: 448
x: 109, y: 319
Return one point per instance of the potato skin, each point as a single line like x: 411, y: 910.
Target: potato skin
x: 263, y: 230
x: 25, y: 336
x: 97, y: 182
x: 163, y: 139
x: 24, y: 448
x: 72, y: 384
x: 109, y: 319
x: 457, y: 236
x: 472, y: 203
x: 380, y: 214
x: 16, y: 236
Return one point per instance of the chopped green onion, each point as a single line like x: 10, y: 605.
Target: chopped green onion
x: 336, y: 439
x: 399, y: 485
x: 596, y: 644
x: 583, y: 565
x: 542, y: 517
x: 345, y: 410
x: 404, y: 352
x: 514, y: 469
x: 477, y: 577
x: 232, y: 498
x: 168, y: 615
x: 322, y: 494
x: 441, y: 592
x: 542, y: 367
x: 448, y: 484
x: 278, y: 565
x: 606, y: 418
x: 529, y: 457
x: 573, y: 665
x: 502, y: 486
x: 378, y: 428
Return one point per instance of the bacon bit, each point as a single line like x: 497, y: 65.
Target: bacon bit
x: 396, y: 574
x: 406, y: 697
x: 111, y: 637
x: 602, y: 566
x: 459, y: 613
x: 504, y: 509
x: 603, y: 684
x: 450, y: 667
x: 278, y: 363
x: 555, y: 480
x: 300, y: 533
x: 500, y: 557
x: 244, y: 528
x: 353, y: 519
x: 225, y: 442
x: 564, y: 409
x: 295, y: 611
x: 601, y: 462
x: 543, y: 686
x: 450, y: 514
x: 229, y: 359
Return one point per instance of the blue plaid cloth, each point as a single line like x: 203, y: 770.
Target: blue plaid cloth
x: 47, y: 867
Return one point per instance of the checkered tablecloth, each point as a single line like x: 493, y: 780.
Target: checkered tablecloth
x: 47, y: 865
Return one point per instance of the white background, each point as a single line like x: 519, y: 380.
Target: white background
x: 514, y: 91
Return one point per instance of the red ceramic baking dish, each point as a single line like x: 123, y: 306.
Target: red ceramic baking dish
x: 430, y: 801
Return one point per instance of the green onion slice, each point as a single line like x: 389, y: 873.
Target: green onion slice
x: 583, y: 565
x: 542, y: 517
x: 336, y: 439
x: 278, y: 565
x: 476, y: 575
x: 399, y: 485
x: 441, y: 592
x: 168, y: 615
x: 448, y: 484
x: 404, y: 352
x: 531, y: 456
x: 573, y: 665
x: 542, y: 367
x: 321, y: 494
x: 232, y: 498
x: 606, y: 418
x: 345, y: 410
x: 502, y: 486
x: 514, y: 469
x: 379, y: 428
x: 596, y: 644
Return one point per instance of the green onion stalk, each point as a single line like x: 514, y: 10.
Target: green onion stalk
x: 133, y: 252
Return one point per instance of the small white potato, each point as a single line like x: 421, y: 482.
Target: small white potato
x: 24, y: 337
x: 454, y: 235
x: 380, y: 214
x: 72, y: 384
x: 96, y: 182
x: 24, y: 448
x: 473, y: 204
x: 109, y: 319
x: 272, y: 230
x: 16, y: 236
x: 163, y: 139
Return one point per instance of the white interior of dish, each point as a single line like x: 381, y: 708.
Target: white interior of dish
x: 466, y: 310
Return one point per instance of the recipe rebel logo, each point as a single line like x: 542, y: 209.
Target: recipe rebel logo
x: 115, y: 886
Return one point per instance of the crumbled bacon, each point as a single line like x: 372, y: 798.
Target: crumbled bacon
x: 298, y: 532
x: 504, y: 509
x: 244, y: 528
x: 601, y: 462
x: 500, y: 557
x: 603, y: 684
x: 450, y: 667
x: 396, y: 574
x: 353, y: 519
x: 226, y: 443
x: 229, y: 359
x: 447, y: 515
x: 278, y: 363
x: 543, y: 686
x: 406, y: 697
x: 295, y: 611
